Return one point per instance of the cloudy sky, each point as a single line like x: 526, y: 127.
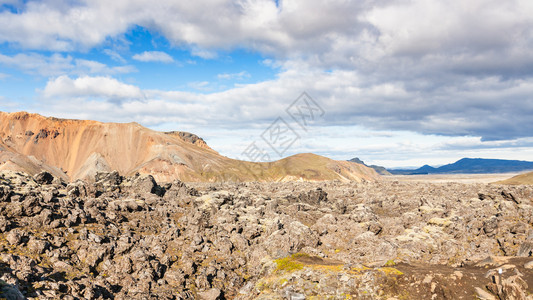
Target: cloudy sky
x: 393, y: 82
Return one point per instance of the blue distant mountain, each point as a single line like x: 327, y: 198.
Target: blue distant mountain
x: 471, y: 166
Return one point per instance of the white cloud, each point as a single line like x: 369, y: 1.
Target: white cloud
x: 349, y: 98
x: 388, y: 38
x: 8, y: 105
x: 83, y: 66
x: 430, y: 66
x: 153, y: 56
x: 55, y: 26
x: 204, y: 53
x: 114, y: 55
x: 362, y: 118
x: 200, y: 86
x: 238, y: 76
x: 57, y: 64
x: 39, y: 64
x: 2, y: 76
x: 91, y: 87
x: 10, y: 2
x: 423, y: 27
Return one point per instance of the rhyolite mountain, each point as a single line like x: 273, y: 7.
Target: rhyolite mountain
x: 78, y: 149
x: 379, y: 169
x: 471, y: 166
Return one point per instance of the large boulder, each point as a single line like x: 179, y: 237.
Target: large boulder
x: 44, y: 178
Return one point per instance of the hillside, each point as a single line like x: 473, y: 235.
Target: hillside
x: 526, y: 178
x: 379, y: 169
x: 472, y: 166
x: 77, y: 149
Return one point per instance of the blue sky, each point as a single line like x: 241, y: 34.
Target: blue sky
x: 401, y: 83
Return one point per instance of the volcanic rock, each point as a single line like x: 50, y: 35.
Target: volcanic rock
x: 132, y: 237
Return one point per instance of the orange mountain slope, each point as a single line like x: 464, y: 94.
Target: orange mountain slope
x: 79, y: 148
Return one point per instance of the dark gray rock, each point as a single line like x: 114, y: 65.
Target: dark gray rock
x: 43, y: 178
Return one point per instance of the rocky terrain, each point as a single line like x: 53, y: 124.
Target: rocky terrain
x: 78, y: 149
x: 133, y: 238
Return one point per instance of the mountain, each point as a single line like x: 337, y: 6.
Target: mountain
x: 77, y: 149
x: 526, y: 178
x: 472, y: 166
x: 379, y: 169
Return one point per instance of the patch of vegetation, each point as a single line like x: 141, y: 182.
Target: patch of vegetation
x: 288, y: 264
x: 390, y: 271
x: 390, y: 263
x: 296, y: 255
x: 299, y: 260
x: 328, y: 268
x: 358, y: 270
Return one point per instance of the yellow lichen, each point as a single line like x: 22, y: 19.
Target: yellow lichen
x: 295, y: 255
x: 390, y: 263
x: 356, y: 270
x: 287, y: 264
x: 390, y: 271
x: 328, y: 268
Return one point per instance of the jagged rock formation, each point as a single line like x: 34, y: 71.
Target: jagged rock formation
x: 191, y: 138
x: 77, y: 149
x: 133, y: 238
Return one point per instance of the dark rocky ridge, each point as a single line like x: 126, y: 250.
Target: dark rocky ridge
x: 379, y: 169
x: 132, y: 238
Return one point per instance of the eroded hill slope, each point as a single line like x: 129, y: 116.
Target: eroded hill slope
x: 526, y: 178
x: 81, y: 148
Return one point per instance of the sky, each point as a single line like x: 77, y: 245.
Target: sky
x: 398, y: 83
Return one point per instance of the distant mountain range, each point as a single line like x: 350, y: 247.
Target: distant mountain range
x: 471, y: 166
x: 379, y: 169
